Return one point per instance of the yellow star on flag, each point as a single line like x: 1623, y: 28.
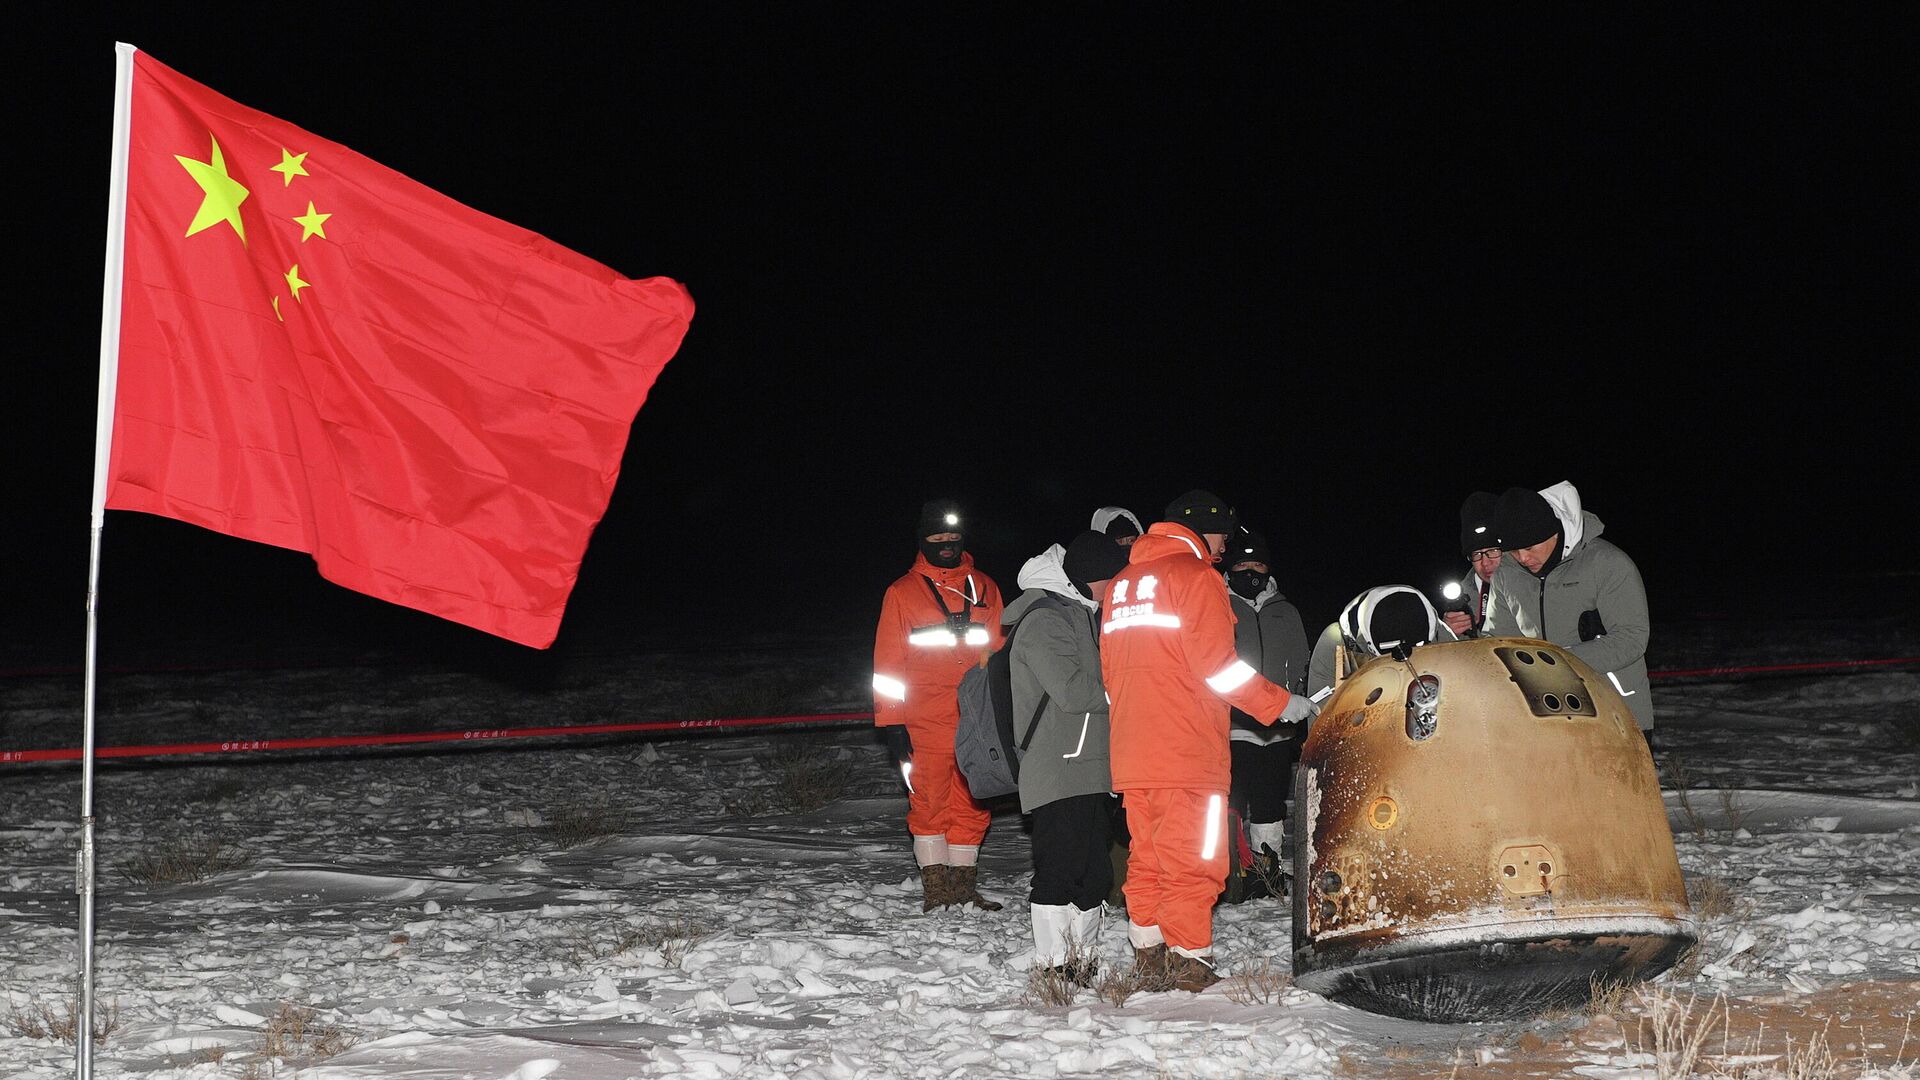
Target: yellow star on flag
x: 294, y: 284
x: 291, y: 165
x: 224, y: 193
x: 311, y: 224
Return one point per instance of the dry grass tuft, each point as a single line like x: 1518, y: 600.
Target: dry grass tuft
x: 295, y: 1034
x: 59, y: 1019
x: 1049, y: 987
x: 183, y: 862
x: 806, y: 777
x: 205, y: 1055
x: 1057, y: 985
x: 1681, y: 781
x: 1258, y: 984
x: 1730, y: 806
x: 1812, y: 1060
x: 1119, y: 984
x: 673, y: 938
x: 578, y: 823
x: 1670, y: 1031
x: 1607, y: 997
x: 1712, y: 898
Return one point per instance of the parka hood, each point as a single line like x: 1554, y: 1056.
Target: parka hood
x: 1164, y: 538
x: 1105, y: 516
x: 1045, y: 572
x: 1564, y: 498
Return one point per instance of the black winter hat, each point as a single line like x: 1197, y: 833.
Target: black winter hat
x: 938, y: 516
x: 1246, y: 546
x: 1476, y: 522
x: 1203, y: 512
x: 1523, y: 518
x: 1093, y: 556
x: 1399, y: 619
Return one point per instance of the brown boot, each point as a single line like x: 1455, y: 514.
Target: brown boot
x: 1190, y: 973
x: 965, y: 888
x: 936, y: 887
x: 1150, y: 968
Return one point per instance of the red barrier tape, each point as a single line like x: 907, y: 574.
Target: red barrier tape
x: 736, y: 723
x: 1764, y: 669
x: 480, y: 735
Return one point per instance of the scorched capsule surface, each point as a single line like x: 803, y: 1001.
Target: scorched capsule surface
x: 1478, y: 835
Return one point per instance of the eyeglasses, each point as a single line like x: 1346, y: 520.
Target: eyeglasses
x: 1485, y: 553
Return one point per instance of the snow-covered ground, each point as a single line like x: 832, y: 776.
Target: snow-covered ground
x: 608, y: 909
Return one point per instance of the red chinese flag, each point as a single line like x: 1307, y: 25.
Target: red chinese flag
x: 319, y: 353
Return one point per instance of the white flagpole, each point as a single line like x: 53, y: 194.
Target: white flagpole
x: 102, y: 446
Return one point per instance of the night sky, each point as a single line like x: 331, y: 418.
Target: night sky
x: 1341, y: 273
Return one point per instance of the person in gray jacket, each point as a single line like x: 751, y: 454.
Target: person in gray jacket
x: 1267, y: 634
x: 1561, y: 582
x: 1065, y: 779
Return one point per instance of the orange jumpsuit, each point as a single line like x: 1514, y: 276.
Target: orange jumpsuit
x: 917, y: 665
x: 1167, y: 656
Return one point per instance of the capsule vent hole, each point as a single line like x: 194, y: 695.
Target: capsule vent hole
x: 1552, y: 701
x: 1547, y: 658
x: 1375, y: 696
x: 1523, y: 657
x: 1573, y: 703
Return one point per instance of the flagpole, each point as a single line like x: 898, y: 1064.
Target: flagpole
x: 102, y: 447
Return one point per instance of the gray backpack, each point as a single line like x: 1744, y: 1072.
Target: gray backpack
x: 983, y: 744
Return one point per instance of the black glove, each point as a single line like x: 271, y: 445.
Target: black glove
x: 1590, y: 626
x: 899, y: 743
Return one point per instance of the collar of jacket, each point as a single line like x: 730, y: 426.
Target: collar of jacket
x: 1164, y: 538
x: 941, y: 574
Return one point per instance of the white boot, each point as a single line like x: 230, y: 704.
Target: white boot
x: 1271, y: 834
x: 1083, y: 930
x: 1083, y: 941
x: 1051, y: 923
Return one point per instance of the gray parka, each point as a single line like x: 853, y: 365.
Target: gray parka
x: 1592, y: 575
x: 1057, y: 653
x: 1268, y: 634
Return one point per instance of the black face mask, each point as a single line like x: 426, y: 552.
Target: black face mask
x: 945, y: 555
x: 1248, y: 583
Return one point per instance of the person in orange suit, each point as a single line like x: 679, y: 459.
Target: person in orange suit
x: 939, y: 619
x: 1167, y: 657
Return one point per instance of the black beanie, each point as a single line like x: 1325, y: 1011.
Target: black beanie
x: 938, y: 516
x: 1476, y: 522
x: 1203, y: 512
x: 1246, y: 546
x: 1523, y: 518
x: 1093, y: 556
